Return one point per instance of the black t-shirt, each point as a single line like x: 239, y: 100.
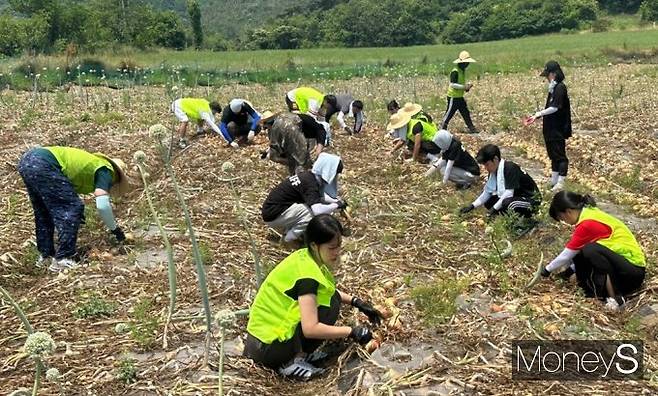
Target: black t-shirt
x: 558, y: 124
x: 241, y: 118
x: 302, y: 287
x: 462, y: 158
x: 300, y: 188
x: 518, y: 180
x: 313, y: 129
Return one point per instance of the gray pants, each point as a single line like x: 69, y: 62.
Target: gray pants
x: 293, y: 221
x: 459, y: 175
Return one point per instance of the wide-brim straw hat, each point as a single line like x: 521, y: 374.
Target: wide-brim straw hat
x: 125, y: 183
x: 464, y: 57
x: 398, y: 120
x: 266, y: 116
x: 411, y: 108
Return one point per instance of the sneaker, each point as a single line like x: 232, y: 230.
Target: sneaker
x: 43, y: 262
x: 615, y: 304
x: 473, y: 131
x: 316, y: 356
x: 462, y: 186
x: 299, y: 369
x: 182, y: 143
x: 62, y: 264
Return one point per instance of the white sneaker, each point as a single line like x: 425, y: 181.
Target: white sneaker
x: 298, y: 368
x: 62, y: 264
x: 43, y: 262
x: 612, y: 304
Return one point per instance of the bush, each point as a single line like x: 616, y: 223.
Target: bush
x: 601, y: 25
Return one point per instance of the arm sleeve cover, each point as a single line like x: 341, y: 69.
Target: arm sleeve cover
x: 105, y: 211
x: 563, y: 259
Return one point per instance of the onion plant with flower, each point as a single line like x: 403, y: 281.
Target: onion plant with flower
x: 140, y: 159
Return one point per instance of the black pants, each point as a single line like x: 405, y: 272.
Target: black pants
x: 556, y: 148
x: 276, y: 354
x: 454, y: 105
x: 425, y: 147
x: 525, y: 207
x: 596, y: 262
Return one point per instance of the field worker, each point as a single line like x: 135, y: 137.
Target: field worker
x: 310, y: 101
x: 418, y: 134
x: 199, y: 111
x: 508, y: 188
x: 414, y: 109
x: 456, y: 164
x: 458, y: 86
x: 292, y: 204
x: 295, y: 139
x: 240, y: 120
x: 557, y: 123
x: 298, y: 304
x: 54, y: 176
x: 392, y: 107
x: 608, y: 262
x: 346, y: 106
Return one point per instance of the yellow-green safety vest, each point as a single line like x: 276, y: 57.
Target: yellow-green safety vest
x: 621, y: 241
x: 429, y: 130
x: 274, y: 316
x: 80, y: 167
x: 193, y: 108
x: 304, y: 94
x: 461, y: 79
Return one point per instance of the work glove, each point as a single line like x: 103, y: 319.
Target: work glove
x: 264, y: 154
x: 466, y: 209
x: 118, y: 233
x: 492, y: 213
x: 361, y: 334
x: 251, y: 135
x: 374, y: 316
x: 341, y: 204
x: 235, y: 144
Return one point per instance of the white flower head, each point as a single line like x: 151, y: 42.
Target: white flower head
x: 139, y: 157
x: 52, y: 374
x: 39, y: 344
x: 174, y: 88
x: 228, y: 167
x: 158, y: 131
x: 121, y: 328
x: 488, y: 231
x: 226, y: 318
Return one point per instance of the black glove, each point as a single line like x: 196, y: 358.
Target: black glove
x: 466, y: 209
x: 341, y: 204
x: 361, y: 334
x: 374, y: 316
x: 118, y: 233
x: 263, y: 154
x: 545, y: 273
x: 492, y: 213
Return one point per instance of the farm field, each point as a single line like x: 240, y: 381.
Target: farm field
x: 460, y: 303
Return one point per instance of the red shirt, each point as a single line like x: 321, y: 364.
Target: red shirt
x: 588, y: 231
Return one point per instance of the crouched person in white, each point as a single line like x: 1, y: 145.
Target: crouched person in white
x: 292, y: 204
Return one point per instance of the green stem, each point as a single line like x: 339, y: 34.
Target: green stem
x: 201, y: 273
x: 252, y: 244
x: 493, y: 241
x: 37, y: 377
x: 17, y: 308
x: 165, y: 240
x: 220, y: 385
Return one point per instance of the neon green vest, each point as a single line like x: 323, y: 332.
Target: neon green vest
x: 461, y: 79
x: 304, y: 94
x: 420, y: 116
x: 274, y: 315
x: 429, y: 130
x: 194, y: 107
x: 79, y: 167
x: 621, y: 241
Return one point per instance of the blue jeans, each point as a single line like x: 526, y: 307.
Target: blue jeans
x: 55, y: 204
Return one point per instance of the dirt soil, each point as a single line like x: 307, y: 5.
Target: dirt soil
x: 405, y: 234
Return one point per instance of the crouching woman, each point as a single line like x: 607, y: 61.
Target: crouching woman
x: 298, y: 303
x: 604, y: 254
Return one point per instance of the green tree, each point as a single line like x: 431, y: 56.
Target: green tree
x: 649, y: 10
x: 195, y: 17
